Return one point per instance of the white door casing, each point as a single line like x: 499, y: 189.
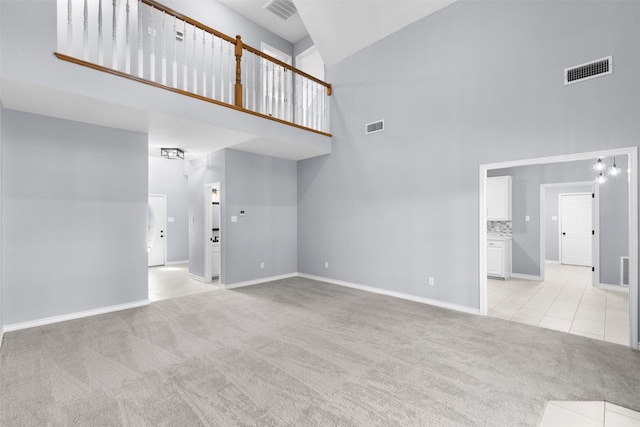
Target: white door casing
x: 156, y: 229
x: 576, y: 229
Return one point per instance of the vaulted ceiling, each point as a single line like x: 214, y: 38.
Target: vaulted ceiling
x: 339, y: 28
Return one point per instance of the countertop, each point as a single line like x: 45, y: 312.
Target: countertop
x: 491, y: 236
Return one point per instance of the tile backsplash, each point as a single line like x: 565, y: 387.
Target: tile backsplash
x: 502, y: 228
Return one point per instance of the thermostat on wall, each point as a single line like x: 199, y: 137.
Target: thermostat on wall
x: 242, y: 212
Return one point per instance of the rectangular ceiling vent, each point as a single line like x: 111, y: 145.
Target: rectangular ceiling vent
x: 374, y: 127
x: 283, y: 9
x: 590, y: 70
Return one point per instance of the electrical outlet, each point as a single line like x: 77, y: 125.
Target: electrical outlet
x: 326, y: 264
x: 262, y: 265
x: 431, y: 281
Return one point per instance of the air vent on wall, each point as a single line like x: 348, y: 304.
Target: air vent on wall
x: 374, y: 127
x: 283, y: 9
x: 624, y: 270
x: 590, y: 70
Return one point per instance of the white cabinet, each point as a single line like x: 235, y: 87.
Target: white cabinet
x: 215, y: 260
x: 499, y: 198
x: 499, y: 258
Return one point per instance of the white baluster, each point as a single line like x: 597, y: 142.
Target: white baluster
x: 204, y: 63
x: 221, y: 76
x: 230, y: 76
x: 152, y: 46
x: 100, y: 36
x: 213, y: 66
x: 140, y: 48
x: 114, y: 33
x: 194, y: 69
x: 175, y: 54
x: 253, y: 71
x: 184, y: 56
x: 85, y: 32
x: 246, y: 79
x: 163, y: 58
x: 127, y: 43
x: 69, y: 28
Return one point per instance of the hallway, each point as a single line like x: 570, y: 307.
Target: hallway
x: 171, y: 281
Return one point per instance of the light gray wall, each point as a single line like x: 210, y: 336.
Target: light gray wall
x: 552, y: 209
x: 263, y: 186
x: 202, y: 171
x: 266, y: 188
x: 614, y: 241
x: 74, y: 217
x: 480, y: 82
x: 218, y: 16
x: 300, y: 46
x: 1, y: 198
x: 168, y: 177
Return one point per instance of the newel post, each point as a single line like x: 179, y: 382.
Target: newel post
x: 238, y: 87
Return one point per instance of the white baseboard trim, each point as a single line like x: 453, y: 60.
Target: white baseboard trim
x: 609, y: 287
x: 72, y: 316
x: 196, y: 277
x: 177, y: 262
x: 395, y: 294
x: 257, y: 281
x: 551, y: 261
x: 526, y: 277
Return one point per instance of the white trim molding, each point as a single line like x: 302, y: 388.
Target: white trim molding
x: 176, y: 262
x: 196, y: 277
x: 615, y: 288
x: 73, y: 316
x: 394, y: 294
x: 257, y: 281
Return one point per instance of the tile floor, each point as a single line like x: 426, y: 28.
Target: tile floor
x: 588, y: 414
x: 171, y: 281
x: 566, y: 301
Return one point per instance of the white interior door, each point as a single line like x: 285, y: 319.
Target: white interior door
x: 156, y: 229
x: 576, y: 226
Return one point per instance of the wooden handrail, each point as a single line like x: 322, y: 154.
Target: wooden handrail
x: 235, y: 41
x: 97, y: 67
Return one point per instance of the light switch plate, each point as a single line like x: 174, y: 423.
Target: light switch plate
x: 234, y: 218
x: 527, y: 218
x: 554, y: 218
x: 171, y: 219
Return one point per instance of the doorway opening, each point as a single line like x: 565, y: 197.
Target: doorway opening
x: 156, y: 230
x: 631, y: 214
x: 213, y: 237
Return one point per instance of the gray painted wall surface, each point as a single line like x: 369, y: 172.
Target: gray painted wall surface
x: 551, y: 209
x: 481, y: 82
x: 74, y: 217
x: 205, y: 170
x: 1, y: 198
x: 167, y: 177
x: 226, y: 20
x: 265, y: 187
x: 614, y: 241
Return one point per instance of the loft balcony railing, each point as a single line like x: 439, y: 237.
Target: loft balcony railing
x: 146, y: 41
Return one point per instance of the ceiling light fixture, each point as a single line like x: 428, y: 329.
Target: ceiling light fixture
x: 601, y: 178
x: 600, y: 165
x: 172, y: 153
x: 615, y: 169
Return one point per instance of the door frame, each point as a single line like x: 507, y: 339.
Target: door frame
x: 207, y: 230
x: 164, y: 226
x: 632, y: 195
x: 595, y: 210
